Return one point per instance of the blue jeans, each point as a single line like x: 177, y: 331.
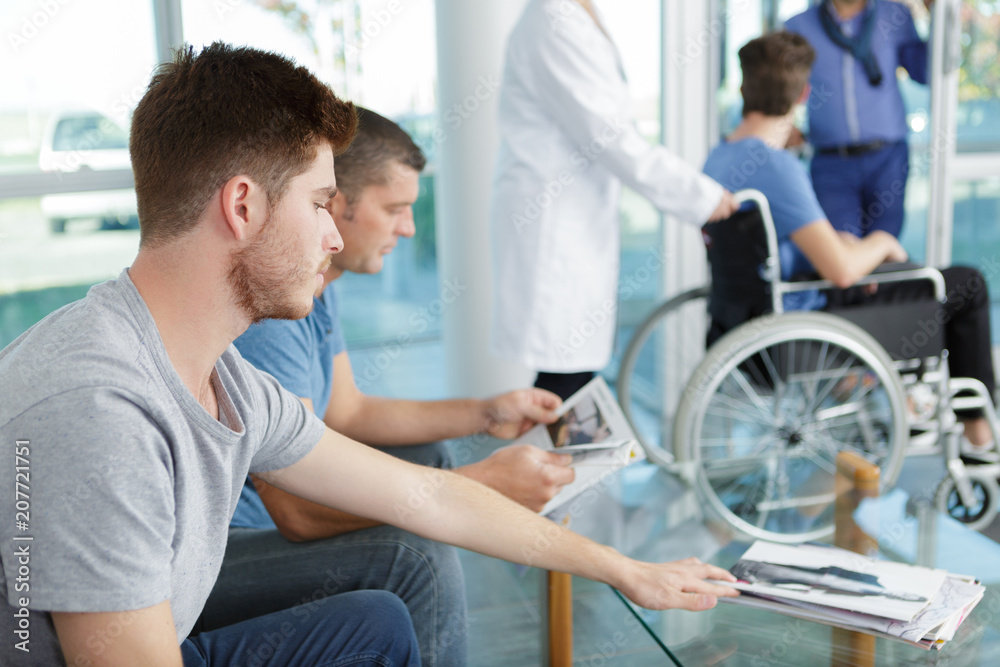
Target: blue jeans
x: 262, y: 572
x: 360, y: 628
x: 862, y: 193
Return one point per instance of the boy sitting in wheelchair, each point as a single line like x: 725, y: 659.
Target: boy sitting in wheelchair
x: 776, y: 71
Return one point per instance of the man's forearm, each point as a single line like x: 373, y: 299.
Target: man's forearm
x: 481, y: 520
x: 386, y: 422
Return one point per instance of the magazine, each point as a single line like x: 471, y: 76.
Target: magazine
x: 591, y: 427
x: 918, y: 605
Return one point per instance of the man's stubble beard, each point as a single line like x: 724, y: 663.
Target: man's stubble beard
x: 263, y: 285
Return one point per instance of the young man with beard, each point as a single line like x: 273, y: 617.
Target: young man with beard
x: 138, y: 421
x: 377, y: 185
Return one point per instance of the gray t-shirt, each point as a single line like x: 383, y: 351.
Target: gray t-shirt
x: 127, y: 483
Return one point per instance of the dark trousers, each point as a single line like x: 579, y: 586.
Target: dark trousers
x: 358, y: 628
x: 563, y: 384
x: 966, y: 317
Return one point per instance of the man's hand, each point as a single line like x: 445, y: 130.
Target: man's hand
x: 896, y: 251
x: 727, y: 206
x: 676, y: 585
x: 524, y: 473
x: 510, y: 415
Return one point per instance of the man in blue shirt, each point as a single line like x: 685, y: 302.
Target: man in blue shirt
x: 857, y: 123
x: 283, y: 549
x: 775, y: 78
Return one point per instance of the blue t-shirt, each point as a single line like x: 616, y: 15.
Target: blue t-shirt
x: 844, y: 108
x: 750, y: 163
x: 299, y: 354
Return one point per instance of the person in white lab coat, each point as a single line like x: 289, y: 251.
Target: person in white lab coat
x: 568, y: 143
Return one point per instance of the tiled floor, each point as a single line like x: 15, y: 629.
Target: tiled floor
x: 504, y: 614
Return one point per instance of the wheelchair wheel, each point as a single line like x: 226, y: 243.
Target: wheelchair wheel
x: 660, y: 357
x: 769, y: 408
x: 980, y: 513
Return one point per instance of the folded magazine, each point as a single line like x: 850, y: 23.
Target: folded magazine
x: 817, y: 582
x: 591, y: 427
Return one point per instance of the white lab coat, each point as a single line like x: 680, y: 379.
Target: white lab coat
x: 568, y: 142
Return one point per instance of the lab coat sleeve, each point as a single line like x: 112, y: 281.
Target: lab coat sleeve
x: 588, y: 97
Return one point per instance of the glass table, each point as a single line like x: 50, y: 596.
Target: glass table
x: 651, y: 515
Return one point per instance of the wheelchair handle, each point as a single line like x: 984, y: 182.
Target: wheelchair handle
x: 772, y: 268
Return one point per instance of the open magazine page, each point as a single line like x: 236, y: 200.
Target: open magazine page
x: 837, y: 578
x: 590, y: 419
x: 591, y: 427
x: 593, y: 468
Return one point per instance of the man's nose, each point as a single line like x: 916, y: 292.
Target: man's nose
x: 332, y: 240
x: 406, y: 226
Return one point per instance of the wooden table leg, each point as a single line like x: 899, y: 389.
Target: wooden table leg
x: 560, y: 608
x: 856, y: 479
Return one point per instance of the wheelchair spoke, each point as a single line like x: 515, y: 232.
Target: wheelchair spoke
x: 865, y: 389
x: 751, y: 394
x: 732, y: 408
x: 820, y: 364
x: 835, y: 377
x: 779, y: 383
x: 759, y: 442
x: 814, y: 454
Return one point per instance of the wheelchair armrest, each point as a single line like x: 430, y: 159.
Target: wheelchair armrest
x: 884, y: 273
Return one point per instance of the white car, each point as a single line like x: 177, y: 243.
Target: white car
x: 80, y: 140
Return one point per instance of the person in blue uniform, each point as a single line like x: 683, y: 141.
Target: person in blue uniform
x: 857, y: 123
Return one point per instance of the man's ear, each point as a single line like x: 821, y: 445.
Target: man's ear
x: 244, y: 206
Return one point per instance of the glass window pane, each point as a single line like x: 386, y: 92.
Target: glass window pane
x: 635, y: 29
x: 976, y: 236
x: 70, y: 78
x: 67, y: 57
x: 42, y: 268
x: 978, y: 116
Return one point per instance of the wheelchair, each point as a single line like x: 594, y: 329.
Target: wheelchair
x: 755, y: 422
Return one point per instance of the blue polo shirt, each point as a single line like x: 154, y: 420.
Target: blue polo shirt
x: 299, y: 354
x: 751, y: 164
x: 844, y: 108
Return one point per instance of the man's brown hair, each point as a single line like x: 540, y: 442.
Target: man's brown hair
x: 775, y: 71
x: 378, y: 144
x: 227, y: 111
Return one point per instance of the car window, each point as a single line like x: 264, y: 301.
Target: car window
x: 87, y: 133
